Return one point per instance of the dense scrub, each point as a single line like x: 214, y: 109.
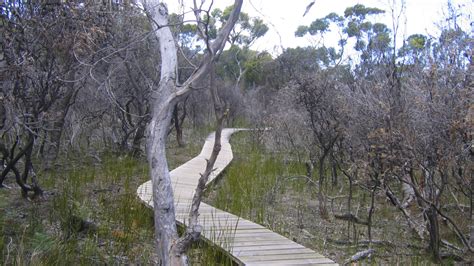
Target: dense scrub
x: 262, y: 186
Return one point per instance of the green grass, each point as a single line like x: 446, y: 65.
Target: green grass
x: 250, y: 184
x: 50, y: 231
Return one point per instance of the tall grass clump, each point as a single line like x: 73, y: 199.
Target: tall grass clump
x: 254, y: 178
x: 90, y: 215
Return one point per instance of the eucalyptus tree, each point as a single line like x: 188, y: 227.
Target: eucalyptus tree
x: 230, y: 69
x: 234, y: 63
x: 371, y: 39
x: 238, y: 66
x: 414, y: 50
x: 170, y: 248
x: 248, y: 29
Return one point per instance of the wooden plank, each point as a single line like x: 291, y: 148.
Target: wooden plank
x: 253, y: 231
x: 293, y: 251
x: 218, y: 216
x: 231, y: 227
x: 255, y: 243
x: 275, y: 257
x: 295, y: 261
x: 242, y: 236
x: 278, y: 246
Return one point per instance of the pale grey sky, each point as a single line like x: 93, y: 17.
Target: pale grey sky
x: 284, y: 16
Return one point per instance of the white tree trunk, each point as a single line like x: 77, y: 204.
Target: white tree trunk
x: 164, y: 214
x: 408, y: 192
x: 164, y: 98
x: 162, y: 105
x: 471, y: 235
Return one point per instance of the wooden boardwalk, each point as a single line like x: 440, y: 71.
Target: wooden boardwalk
x: 247, y: 242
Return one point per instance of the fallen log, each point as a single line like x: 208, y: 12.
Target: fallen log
x: 361, y: 242
x: 449, y: 245
x: 360, y: 255
x: 350, y: 217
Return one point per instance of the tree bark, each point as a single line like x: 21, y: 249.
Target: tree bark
x: 408, y: 192
x: 417, y: 228
x: 137, y: 139
x: 471, y: 235
x: 371, y: 212
x: 162, y: 104
x: 53, y: 137
x: 164, y: 214
x: 321, y: 198
x: 14, y: 159
x: 333, y: 169
x: 433, y: 228
x: 177, y: 123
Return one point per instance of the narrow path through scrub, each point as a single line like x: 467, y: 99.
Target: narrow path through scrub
x: 247, y: 242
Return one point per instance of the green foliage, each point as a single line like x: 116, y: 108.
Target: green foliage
x: 335, y: 18
x: 306, y: 56
x: 247, y: 28
x: 381, y: 41
x: 451, y: 35
x: 416, y: 41
x: 318, y: 26
x: 360, y: 12
x: 365, y: 26
x: 301, y: 31
x: 238, y: 61
x: 413, y: 48
x: 379, y: 28
x: 354, y: 24
x: 322, y: 55
x: 255, y: 67
x: 202, y: 253
x: 259, y: 28
x: 231, y: 61
x: 352, y: 29
x: 185, y: 33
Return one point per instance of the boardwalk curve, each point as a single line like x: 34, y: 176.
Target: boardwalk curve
x: 247, y: 242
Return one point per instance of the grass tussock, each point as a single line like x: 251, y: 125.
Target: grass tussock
x: 89, y: 215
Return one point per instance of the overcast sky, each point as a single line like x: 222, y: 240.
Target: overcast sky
x: 284, y: 16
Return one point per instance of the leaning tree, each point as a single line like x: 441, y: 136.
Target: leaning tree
x: 170, y: 248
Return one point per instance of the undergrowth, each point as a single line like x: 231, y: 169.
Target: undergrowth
x: 90, y: 213
x: 267, y: 188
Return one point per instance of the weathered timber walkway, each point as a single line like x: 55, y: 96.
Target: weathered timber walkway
x: 247, y: 242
